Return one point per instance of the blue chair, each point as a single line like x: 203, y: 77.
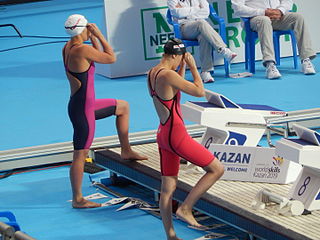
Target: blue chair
x: 250, y: 40
x: 192, y: 43
x: 11, y: 220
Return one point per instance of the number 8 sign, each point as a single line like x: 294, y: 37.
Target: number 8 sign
x: 307, y: 188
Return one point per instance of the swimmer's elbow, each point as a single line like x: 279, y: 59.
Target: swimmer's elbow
x: 112, y: 59
x: 108, y: 58
x: 197, y: 91
x: 200, y: 93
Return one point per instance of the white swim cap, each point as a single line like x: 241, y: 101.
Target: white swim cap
x: 75, y: 24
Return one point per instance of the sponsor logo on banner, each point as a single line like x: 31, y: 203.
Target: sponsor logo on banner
x: 236, y: 138
x: 269, y: 171
x: 232, y: 157
x: 278, y: 161
x: 247, y: 163
x: 234, y: 161
x: 156, y: 31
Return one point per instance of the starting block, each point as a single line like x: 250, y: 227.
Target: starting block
x: 244, y: 124
x: 228, y: 122
x: 233, y: 132
x: 306, y: 151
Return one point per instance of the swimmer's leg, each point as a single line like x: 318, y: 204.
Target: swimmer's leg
x: 187, y: 148
x: 197, y: 154
x: 213, y: 172
x: 168, y: 186
x: 169, y: 163
x: 122, y: 122
x: 84, y: 126
x: 76, y: 175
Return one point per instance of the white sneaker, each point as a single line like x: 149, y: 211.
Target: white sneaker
x: 272, y: 72
x: 206, y: 77
x: 228, y: 54
x: 307, y: 67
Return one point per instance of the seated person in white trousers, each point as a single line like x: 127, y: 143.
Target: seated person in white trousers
x: 270, y: 15
x: 192, y: 15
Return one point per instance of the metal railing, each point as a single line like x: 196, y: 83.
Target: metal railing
x: 7, y: 232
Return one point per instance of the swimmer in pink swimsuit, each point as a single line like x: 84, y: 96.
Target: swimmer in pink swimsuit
x: 173, y: 140
x: 83, y: 108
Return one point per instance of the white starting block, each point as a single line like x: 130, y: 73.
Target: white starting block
x: 233, y: 133
x: 306, y: 151
x: 228, y: 122
x: 244, y: 124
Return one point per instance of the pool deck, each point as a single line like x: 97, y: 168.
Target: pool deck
x: 229, y: 201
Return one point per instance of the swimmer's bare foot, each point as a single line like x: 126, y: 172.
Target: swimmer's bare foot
x: 186, y: 216
x: 83, y: 203
x: 171, y: 235
x: 132, y: 155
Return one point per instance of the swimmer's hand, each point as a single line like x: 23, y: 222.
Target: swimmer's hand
x: 95, y: 31
x: 197, y: 81
x: 188, y: 58
x: 182, y: 63
x: 93, y: 39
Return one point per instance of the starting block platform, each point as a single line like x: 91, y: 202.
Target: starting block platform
x: 244, y: 124
x: 228, y: 201
x: 304, y: 150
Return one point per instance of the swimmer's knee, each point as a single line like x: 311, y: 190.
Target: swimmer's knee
x: 122, y: 103
x: 80, y: 154
x: 168, y: 190
x: 220, y: 169
x: 215, y: 167
x: 168, y: 185
x: 122, y: 107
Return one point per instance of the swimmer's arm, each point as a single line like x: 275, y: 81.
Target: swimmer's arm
x: 197, y: 81
x: 95, y: 42
x: 92, y: 54
x: 192, y: 88
x: 197, y: 88
x: 182, y: 69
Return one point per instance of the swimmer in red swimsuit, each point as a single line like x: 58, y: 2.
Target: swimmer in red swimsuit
x: 173, y: 140
x: 83, y: 107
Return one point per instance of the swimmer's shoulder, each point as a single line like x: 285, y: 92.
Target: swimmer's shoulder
x: 168, y: 74
x: 80, y: 49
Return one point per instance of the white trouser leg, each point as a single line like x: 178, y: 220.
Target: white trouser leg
x: 208, y: 39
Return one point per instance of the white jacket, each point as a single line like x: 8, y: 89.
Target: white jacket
x: 252, y: 8
x: 190, y: 9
